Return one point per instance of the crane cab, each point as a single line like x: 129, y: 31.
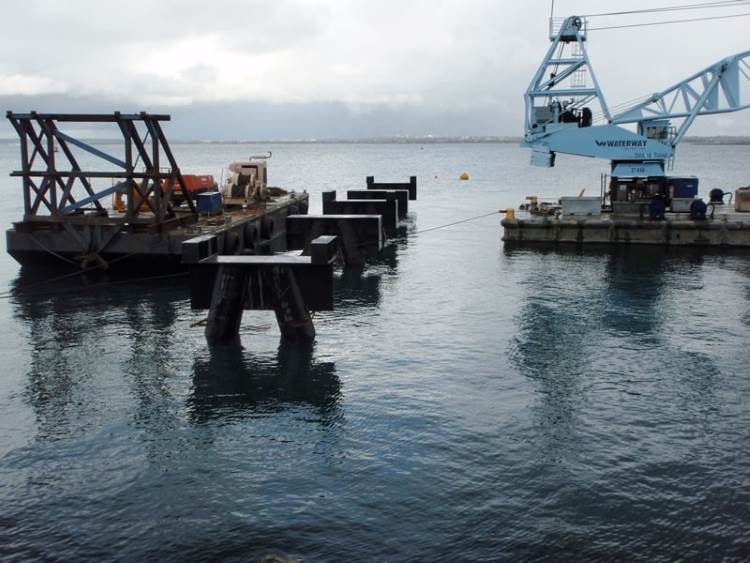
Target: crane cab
x: 657, y: 130
x: 560, y: 112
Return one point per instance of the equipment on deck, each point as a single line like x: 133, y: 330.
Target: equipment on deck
x: 717, y: 195
x: 248, y: 180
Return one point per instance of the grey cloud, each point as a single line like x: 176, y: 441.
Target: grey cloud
x: 266, y: 121
x: 417, y: 67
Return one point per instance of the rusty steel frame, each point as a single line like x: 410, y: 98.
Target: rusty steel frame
x: 49, y: 186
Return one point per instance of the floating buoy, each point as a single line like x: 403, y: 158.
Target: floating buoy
x: 464, y: 176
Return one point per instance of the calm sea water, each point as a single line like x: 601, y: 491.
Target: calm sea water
x: 464, y: 401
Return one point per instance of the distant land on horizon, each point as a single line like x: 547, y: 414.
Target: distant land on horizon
x: 426, y: 140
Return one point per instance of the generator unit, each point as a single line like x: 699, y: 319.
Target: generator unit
x: 673, y: 189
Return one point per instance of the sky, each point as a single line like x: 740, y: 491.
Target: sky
x: 302, y: 69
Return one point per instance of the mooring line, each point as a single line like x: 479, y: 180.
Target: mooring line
x: 9, y: 294
x: 427, y: 230
x: 70, y: 274
x: 53, y: 253
x: 453, y: 223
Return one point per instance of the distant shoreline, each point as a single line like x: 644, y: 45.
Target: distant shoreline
x: 717, y: 140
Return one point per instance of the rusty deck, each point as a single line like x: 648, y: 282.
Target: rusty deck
x: 106, y: 241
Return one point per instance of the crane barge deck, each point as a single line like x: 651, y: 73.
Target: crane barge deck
x: 727, y: 228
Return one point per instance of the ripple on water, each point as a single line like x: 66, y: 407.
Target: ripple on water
x: 465, y: 400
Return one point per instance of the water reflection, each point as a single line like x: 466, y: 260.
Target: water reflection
x: 746, y: 309
x: 97, y: 288
x: 231, y: 383
x: 102, y: 329
x: 635, y: 285
x: 356, y: 287
x: 79, y: 325
x: 396, y: 243
x: 554, y: 329
x: 595, y: 323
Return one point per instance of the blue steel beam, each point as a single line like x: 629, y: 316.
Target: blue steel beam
x: 92, y: 150
x: 85, y: 201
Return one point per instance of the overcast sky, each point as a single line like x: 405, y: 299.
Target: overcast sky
x: 276, y: 69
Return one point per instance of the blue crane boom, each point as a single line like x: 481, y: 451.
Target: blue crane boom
x: 559, y: 115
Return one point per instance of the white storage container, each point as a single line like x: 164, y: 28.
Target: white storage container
x: 742, y: 199
x: 581, y: 206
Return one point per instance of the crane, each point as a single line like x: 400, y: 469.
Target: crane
x: 559, y: 117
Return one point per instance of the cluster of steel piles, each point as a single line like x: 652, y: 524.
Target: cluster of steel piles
x: 293, y: 285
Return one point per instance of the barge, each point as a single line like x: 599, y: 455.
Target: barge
x: 109, y: 242
x: 679, y: 222
x: 69, y: 222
